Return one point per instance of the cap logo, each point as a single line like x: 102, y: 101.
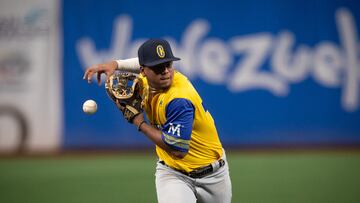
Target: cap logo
x: 160, y: 51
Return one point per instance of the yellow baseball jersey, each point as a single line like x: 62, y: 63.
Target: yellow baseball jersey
x: 185, y: 123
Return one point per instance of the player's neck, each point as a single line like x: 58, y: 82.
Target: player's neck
x: 154, y: 91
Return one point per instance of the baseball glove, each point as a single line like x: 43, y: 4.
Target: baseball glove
x: 125, y: 89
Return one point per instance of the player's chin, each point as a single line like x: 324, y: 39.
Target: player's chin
x: 166, y: 83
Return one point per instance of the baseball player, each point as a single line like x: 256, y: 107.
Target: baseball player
x: 192, y: 165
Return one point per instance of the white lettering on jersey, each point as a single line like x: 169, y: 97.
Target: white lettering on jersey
x: 174, y: 129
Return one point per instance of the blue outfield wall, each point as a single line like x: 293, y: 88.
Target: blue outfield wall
x: 270, y: 72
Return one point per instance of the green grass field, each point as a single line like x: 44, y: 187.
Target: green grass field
x: 256, y: 177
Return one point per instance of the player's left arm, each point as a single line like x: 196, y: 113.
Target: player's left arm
x: 174, y: 137
x: 176, y: 131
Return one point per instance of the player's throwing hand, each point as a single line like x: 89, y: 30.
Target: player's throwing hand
x: 107, y: 68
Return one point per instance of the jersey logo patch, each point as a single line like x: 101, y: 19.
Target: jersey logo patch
x: 174, y: 129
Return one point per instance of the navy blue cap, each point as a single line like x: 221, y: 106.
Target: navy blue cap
x: 154, y: 52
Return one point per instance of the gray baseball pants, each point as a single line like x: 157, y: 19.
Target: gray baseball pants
x: 175, y: 187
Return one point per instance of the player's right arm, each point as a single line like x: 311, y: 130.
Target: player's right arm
x: 108, y: 68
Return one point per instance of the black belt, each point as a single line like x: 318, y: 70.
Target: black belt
x: 200, y: 172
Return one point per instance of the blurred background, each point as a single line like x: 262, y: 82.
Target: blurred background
x: 281, y: 79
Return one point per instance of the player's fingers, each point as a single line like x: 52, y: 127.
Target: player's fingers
x: 98, y: 77
x: 108, y: 74
x: 86, y: 74
x: 89, y: 73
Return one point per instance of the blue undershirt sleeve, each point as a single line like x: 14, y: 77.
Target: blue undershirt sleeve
x: 177, y: 129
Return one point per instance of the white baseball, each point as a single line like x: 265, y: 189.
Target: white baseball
x: 89, y: 106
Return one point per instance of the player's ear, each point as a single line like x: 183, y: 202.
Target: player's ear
x: 142, y: 70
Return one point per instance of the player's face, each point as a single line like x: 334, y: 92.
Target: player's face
x: 159, y: 76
